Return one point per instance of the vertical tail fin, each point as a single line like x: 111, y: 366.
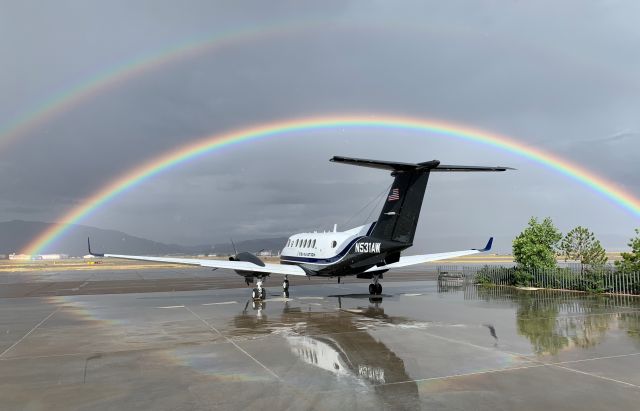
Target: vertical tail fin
x: 399, y: 216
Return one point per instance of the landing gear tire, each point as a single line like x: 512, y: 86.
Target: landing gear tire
x: 263, y: 293
x: 255, y: 294
x: 378, y: 288
x: 372, y: 289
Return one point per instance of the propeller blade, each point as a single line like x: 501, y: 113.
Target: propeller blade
x: 235, y: 251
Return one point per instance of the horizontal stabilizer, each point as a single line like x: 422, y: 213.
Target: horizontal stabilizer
x: 433, y: 165
x: 443, y: 167
x: 385, y: 165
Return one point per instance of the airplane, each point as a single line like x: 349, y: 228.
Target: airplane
x: 367, y: 251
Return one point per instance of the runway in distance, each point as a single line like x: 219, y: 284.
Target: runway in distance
x: 367, y: 251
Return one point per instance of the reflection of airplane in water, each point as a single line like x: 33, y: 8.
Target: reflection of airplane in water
x: 367, y: 251
x: 338, y: 343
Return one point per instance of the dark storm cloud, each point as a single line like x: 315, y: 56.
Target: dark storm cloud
x: 559, y: 76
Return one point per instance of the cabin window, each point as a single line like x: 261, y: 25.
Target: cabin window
x: 334, y: 243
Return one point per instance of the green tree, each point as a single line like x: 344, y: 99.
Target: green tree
x: 581, y: 244
x: 631, y: 261
x: 536, y: 246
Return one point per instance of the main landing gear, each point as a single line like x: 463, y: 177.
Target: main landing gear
x: 376, y: 287
x: 259, y: 293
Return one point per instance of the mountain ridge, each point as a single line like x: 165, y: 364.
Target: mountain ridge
x: 15, y: 235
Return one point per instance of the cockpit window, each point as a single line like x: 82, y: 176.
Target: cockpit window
x: 334, y: 243
x: 313, y: 244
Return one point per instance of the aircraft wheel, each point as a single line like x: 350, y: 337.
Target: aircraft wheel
x: 372, y: 289
x: 255, y: 294
x: 263, y: 294
x: 285, y: 285
x: 378, y: 288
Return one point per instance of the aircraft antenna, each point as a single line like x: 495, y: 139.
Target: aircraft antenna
x: 375, y: 199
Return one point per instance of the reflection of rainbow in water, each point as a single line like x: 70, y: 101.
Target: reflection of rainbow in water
x: 199, y: 148
x: 365, y: 367
x: 194, y: 355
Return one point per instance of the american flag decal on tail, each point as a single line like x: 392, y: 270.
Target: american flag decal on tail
x: 394, y: 195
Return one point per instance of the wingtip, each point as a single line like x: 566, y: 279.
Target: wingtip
x: 91, y: 252
x: 488, y: 246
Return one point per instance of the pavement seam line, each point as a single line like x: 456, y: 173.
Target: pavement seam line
x: 596, y: 358
x: 233, y: 343
x: 595, y: 375
x: 558, y: 365
x: 29, y: 333
x: 444, y: 377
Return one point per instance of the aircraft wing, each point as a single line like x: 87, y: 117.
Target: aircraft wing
x: 425, y: 258
x: 229, y: 265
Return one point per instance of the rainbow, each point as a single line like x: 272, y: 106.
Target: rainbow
x: 115, y: 75
x: 211, y: 143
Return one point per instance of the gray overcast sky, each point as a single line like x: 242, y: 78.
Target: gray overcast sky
x: 561, y: 76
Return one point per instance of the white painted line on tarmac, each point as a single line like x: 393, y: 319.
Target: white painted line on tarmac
x: 172, y: 306
x: 412, y: 294
x: 310, y: 298
x: 222, y: 303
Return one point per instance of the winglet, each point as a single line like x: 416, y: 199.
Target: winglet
x: 89, y: 246
x: 487, y: 247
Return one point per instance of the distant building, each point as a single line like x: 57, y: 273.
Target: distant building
x: 3, y: 256
x: 28, y: 257
x: 53, y: 256
x: 268, y: 253
x: 22, y: 257
x: 88, y: 256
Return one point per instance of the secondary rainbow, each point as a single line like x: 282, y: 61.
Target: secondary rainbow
x: 211, y: 143
x: 111, y: 77
x: 117, y: 74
